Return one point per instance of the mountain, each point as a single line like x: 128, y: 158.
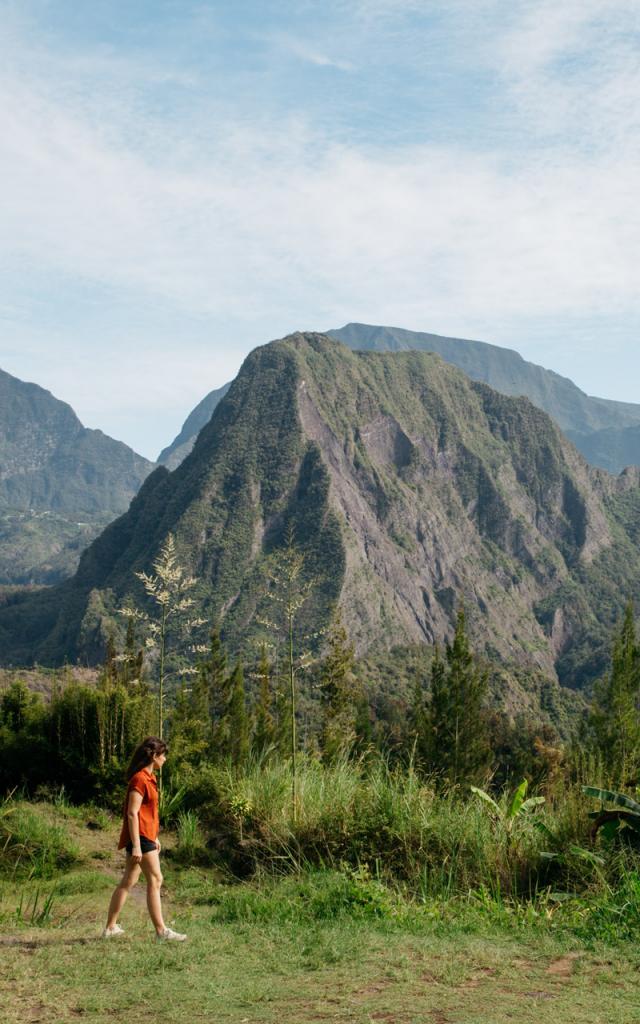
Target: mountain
x: 60, y: 483
x: 611, y: 448
x: 173, y: 454
x: 602, y: 430
x: 409, y: 487
x: 606, y: 432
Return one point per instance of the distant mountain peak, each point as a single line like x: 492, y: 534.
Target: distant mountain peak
x: 60, y: 483
x: 603, y: 430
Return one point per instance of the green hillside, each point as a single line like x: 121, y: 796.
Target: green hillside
x: 409, y: 488
x: 601, y: 429
x: 60, y: 483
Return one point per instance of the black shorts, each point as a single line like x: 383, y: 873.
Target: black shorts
x: 146, y: 845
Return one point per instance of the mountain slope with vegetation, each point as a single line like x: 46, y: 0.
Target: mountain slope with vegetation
x: 408, y: 487
x: 606, y: 432
x: 602, y: 430
x: 60, y: 483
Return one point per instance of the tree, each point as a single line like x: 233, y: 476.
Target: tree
x: 124, y: 668
x: 456, y: 728
x: 362, y: 725
x: 209, y: 719
x: 263, y: 722
x: 167, y: 631
x: 289, y: 589
x: 337, y: 693
x: 614, y: 718
x: 215, y: 681
x: 418, y: 721
x: 189, y: 724
x: 237, y: 717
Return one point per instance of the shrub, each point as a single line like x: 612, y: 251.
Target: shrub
x: 30, y: 845
x: 354, y: 813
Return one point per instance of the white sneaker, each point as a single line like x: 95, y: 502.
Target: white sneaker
x: 109, y: 933
x: 168, y: 935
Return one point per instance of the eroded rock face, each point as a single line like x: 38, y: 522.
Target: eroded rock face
x: 409, y: 488
x: 431, y: 520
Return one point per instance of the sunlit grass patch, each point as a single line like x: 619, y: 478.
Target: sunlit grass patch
x: 31, y: 845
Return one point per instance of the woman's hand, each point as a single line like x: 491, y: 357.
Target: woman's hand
x: 136, y: 854
x: 158, y: 847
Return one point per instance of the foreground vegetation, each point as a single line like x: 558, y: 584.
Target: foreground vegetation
x: 331, y: 944
x: 464, y: 867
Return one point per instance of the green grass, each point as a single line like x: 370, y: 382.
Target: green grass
x: 339, y: 944
x: 32, y: 843
x: 397, y: 824
x: 278, y: 954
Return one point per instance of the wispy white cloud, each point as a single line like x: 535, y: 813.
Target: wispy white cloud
x: 571, y: 70
x: 299, y: 217
x: 300, y: 48
x: 263, y: 221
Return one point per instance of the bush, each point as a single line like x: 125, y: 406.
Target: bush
x: 30, y: 845
x: 190, y: 848
x: 354, y: 813
x: 613, y: 915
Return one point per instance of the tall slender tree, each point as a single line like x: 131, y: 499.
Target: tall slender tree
x: 237, y: 717
x: 456, y: 741
x: 337, y: 693
x: 418, y: 721
x: 169, y: 628
x: 289, y: 589
x: 263, y: 723
x: 614, y: 718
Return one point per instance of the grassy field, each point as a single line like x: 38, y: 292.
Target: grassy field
x: 323, y: 947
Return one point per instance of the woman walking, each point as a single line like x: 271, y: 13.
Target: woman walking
x: 139, y: 836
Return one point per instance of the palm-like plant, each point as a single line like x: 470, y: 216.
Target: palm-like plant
x: 612, y: 822
x: 518, y: 806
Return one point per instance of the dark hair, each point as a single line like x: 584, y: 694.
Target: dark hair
x: 144, y: 754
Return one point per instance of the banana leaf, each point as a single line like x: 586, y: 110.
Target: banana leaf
x: 487, y: 799
x: 608, y: 796
x: 517, y: 800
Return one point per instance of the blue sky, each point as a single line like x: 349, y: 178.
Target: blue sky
x: 183, y: 181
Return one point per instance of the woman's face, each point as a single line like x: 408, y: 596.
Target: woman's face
x: 159, y: 759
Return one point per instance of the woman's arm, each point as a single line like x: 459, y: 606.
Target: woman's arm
x: 133, y: 810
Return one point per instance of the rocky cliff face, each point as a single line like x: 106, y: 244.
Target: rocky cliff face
x: 60, y: 483
x: 409, y: 487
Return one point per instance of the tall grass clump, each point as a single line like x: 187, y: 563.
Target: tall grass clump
x: 31, y: 846
x: 393, y: 820
x: 190, y: 848
x: 35, y: 908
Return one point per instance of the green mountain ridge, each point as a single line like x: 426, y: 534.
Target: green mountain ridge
x: 60, y: 483
x: 578, y: 415
x: 408, y: 486
x: 606, y: 432
x: 612, y: 448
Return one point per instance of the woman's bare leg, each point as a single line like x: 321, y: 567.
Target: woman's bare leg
x: 122, y: 890
x: 153, y: 875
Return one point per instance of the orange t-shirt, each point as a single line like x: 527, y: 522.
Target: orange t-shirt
x: 143, y: 782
